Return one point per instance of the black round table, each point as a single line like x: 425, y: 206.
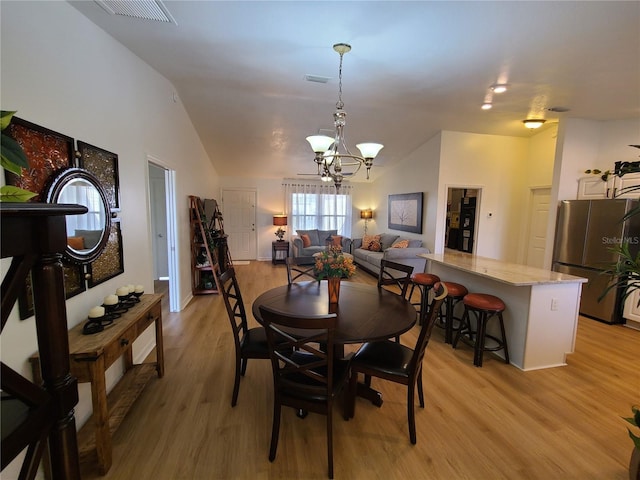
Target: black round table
x: 365, y: 312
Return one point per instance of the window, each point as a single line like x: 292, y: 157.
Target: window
x: 314, y: 205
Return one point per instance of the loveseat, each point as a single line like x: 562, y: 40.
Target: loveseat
x: 308, y: 242
x: 405, y: 252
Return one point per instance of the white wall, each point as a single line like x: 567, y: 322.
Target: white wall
x: 62, y: 72
x: 417, y: 173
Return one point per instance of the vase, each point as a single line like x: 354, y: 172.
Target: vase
x: 333, y: 283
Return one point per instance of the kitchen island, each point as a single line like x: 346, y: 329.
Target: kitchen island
x: 541, y: 317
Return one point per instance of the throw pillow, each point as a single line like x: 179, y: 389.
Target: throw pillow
x: 401, y: 244
x: 336, y: 240
x: 367, y: 239
x: 375, y: 246
x: 77, y: 243
x: 306, y: 241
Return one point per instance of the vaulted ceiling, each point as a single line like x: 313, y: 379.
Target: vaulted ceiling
x: 415, y: 68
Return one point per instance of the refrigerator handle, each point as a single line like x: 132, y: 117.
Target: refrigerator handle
x: 608, y: 192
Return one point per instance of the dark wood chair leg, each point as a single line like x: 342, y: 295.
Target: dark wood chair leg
x: 330, y: 440
x: 411, y: 412
x: 504, y: 338
x: 275, y: 430
x: 236, y: 383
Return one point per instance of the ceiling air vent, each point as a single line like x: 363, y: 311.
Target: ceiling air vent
x: 143, y: 9
x: 316, y: 78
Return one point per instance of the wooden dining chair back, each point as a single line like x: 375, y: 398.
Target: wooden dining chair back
x: 297, y: 270
x: 249, y: 342
x: 305, y: 377
x: 398, y: 363
x: 395, y: 274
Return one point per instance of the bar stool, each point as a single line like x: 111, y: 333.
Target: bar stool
x: 425, y: 282
x: 456, y: 292
x: 484, y: 307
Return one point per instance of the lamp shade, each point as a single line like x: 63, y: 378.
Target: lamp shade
x: 280, y: 220
x: 366, y: 214
x: 320, y: 143
x: 369, y: 150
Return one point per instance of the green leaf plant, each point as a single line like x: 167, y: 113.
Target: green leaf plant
x: 635, y: 421
x: 14, y: 160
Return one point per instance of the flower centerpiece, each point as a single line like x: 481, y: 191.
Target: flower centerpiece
x: 333, y: 265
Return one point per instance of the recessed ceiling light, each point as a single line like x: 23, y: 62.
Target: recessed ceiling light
x: 487, y: 106
x: 533, y: 123
x: 499, y: 87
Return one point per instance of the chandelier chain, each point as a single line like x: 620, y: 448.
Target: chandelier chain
x: 340, y: 103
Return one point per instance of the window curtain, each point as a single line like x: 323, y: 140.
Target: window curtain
x: 317, y: 205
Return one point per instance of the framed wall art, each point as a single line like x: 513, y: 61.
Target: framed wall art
x: 47, y: 151
x: 110, y: 263
x: 73, y: 285
x: 104, y: 165
x: 405, y: 212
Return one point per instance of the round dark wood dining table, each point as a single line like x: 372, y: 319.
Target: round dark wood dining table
x: 365, y: 312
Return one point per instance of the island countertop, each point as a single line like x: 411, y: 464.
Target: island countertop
x: 505, y: 272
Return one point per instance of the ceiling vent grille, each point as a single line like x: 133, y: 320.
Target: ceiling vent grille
x: 143, y: 9
x: 316, y: 78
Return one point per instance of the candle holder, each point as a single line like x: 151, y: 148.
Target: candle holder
x: 137, y: 293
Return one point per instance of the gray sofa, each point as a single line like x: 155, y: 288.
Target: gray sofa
x: 370, y: 261
x: 318, y: 240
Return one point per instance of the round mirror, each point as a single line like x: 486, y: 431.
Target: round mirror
x: 87, y: 234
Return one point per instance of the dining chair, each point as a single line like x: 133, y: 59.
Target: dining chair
x: 397, y: 275
x: 249, y: 342
x: 297, y: 269
x: 397, y: 363
x: 305, y: 377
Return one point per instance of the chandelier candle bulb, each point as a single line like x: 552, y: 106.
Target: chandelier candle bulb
x: 96, y: 312
x: 110, y: 300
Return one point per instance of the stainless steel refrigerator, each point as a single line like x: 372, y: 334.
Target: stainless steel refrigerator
x: 586, y: 231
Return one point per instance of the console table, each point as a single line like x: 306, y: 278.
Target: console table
x: 92, y: 355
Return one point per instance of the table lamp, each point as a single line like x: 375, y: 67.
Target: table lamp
x: 280, y: 221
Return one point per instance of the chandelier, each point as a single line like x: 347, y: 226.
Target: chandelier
x: 332, y: 156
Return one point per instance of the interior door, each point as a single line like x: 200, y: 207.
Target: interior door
x: 159, y: 222
x: 239, y: 213
x: 538, y: 216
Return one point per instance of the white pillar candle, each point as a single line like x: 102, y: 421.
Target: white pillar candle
x: 131, y: 288
x: 139, y: 289
x: 96, y: 312
x: 122, y: 291
x: 110, y: 300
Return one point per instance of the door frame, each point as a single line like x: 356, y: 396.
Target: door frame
x: 172, y: 229
x: 527, y: 233
x: 476, y: 227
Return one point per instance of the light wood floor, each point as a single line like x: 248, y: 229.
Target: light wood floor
x: 496, y: 422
